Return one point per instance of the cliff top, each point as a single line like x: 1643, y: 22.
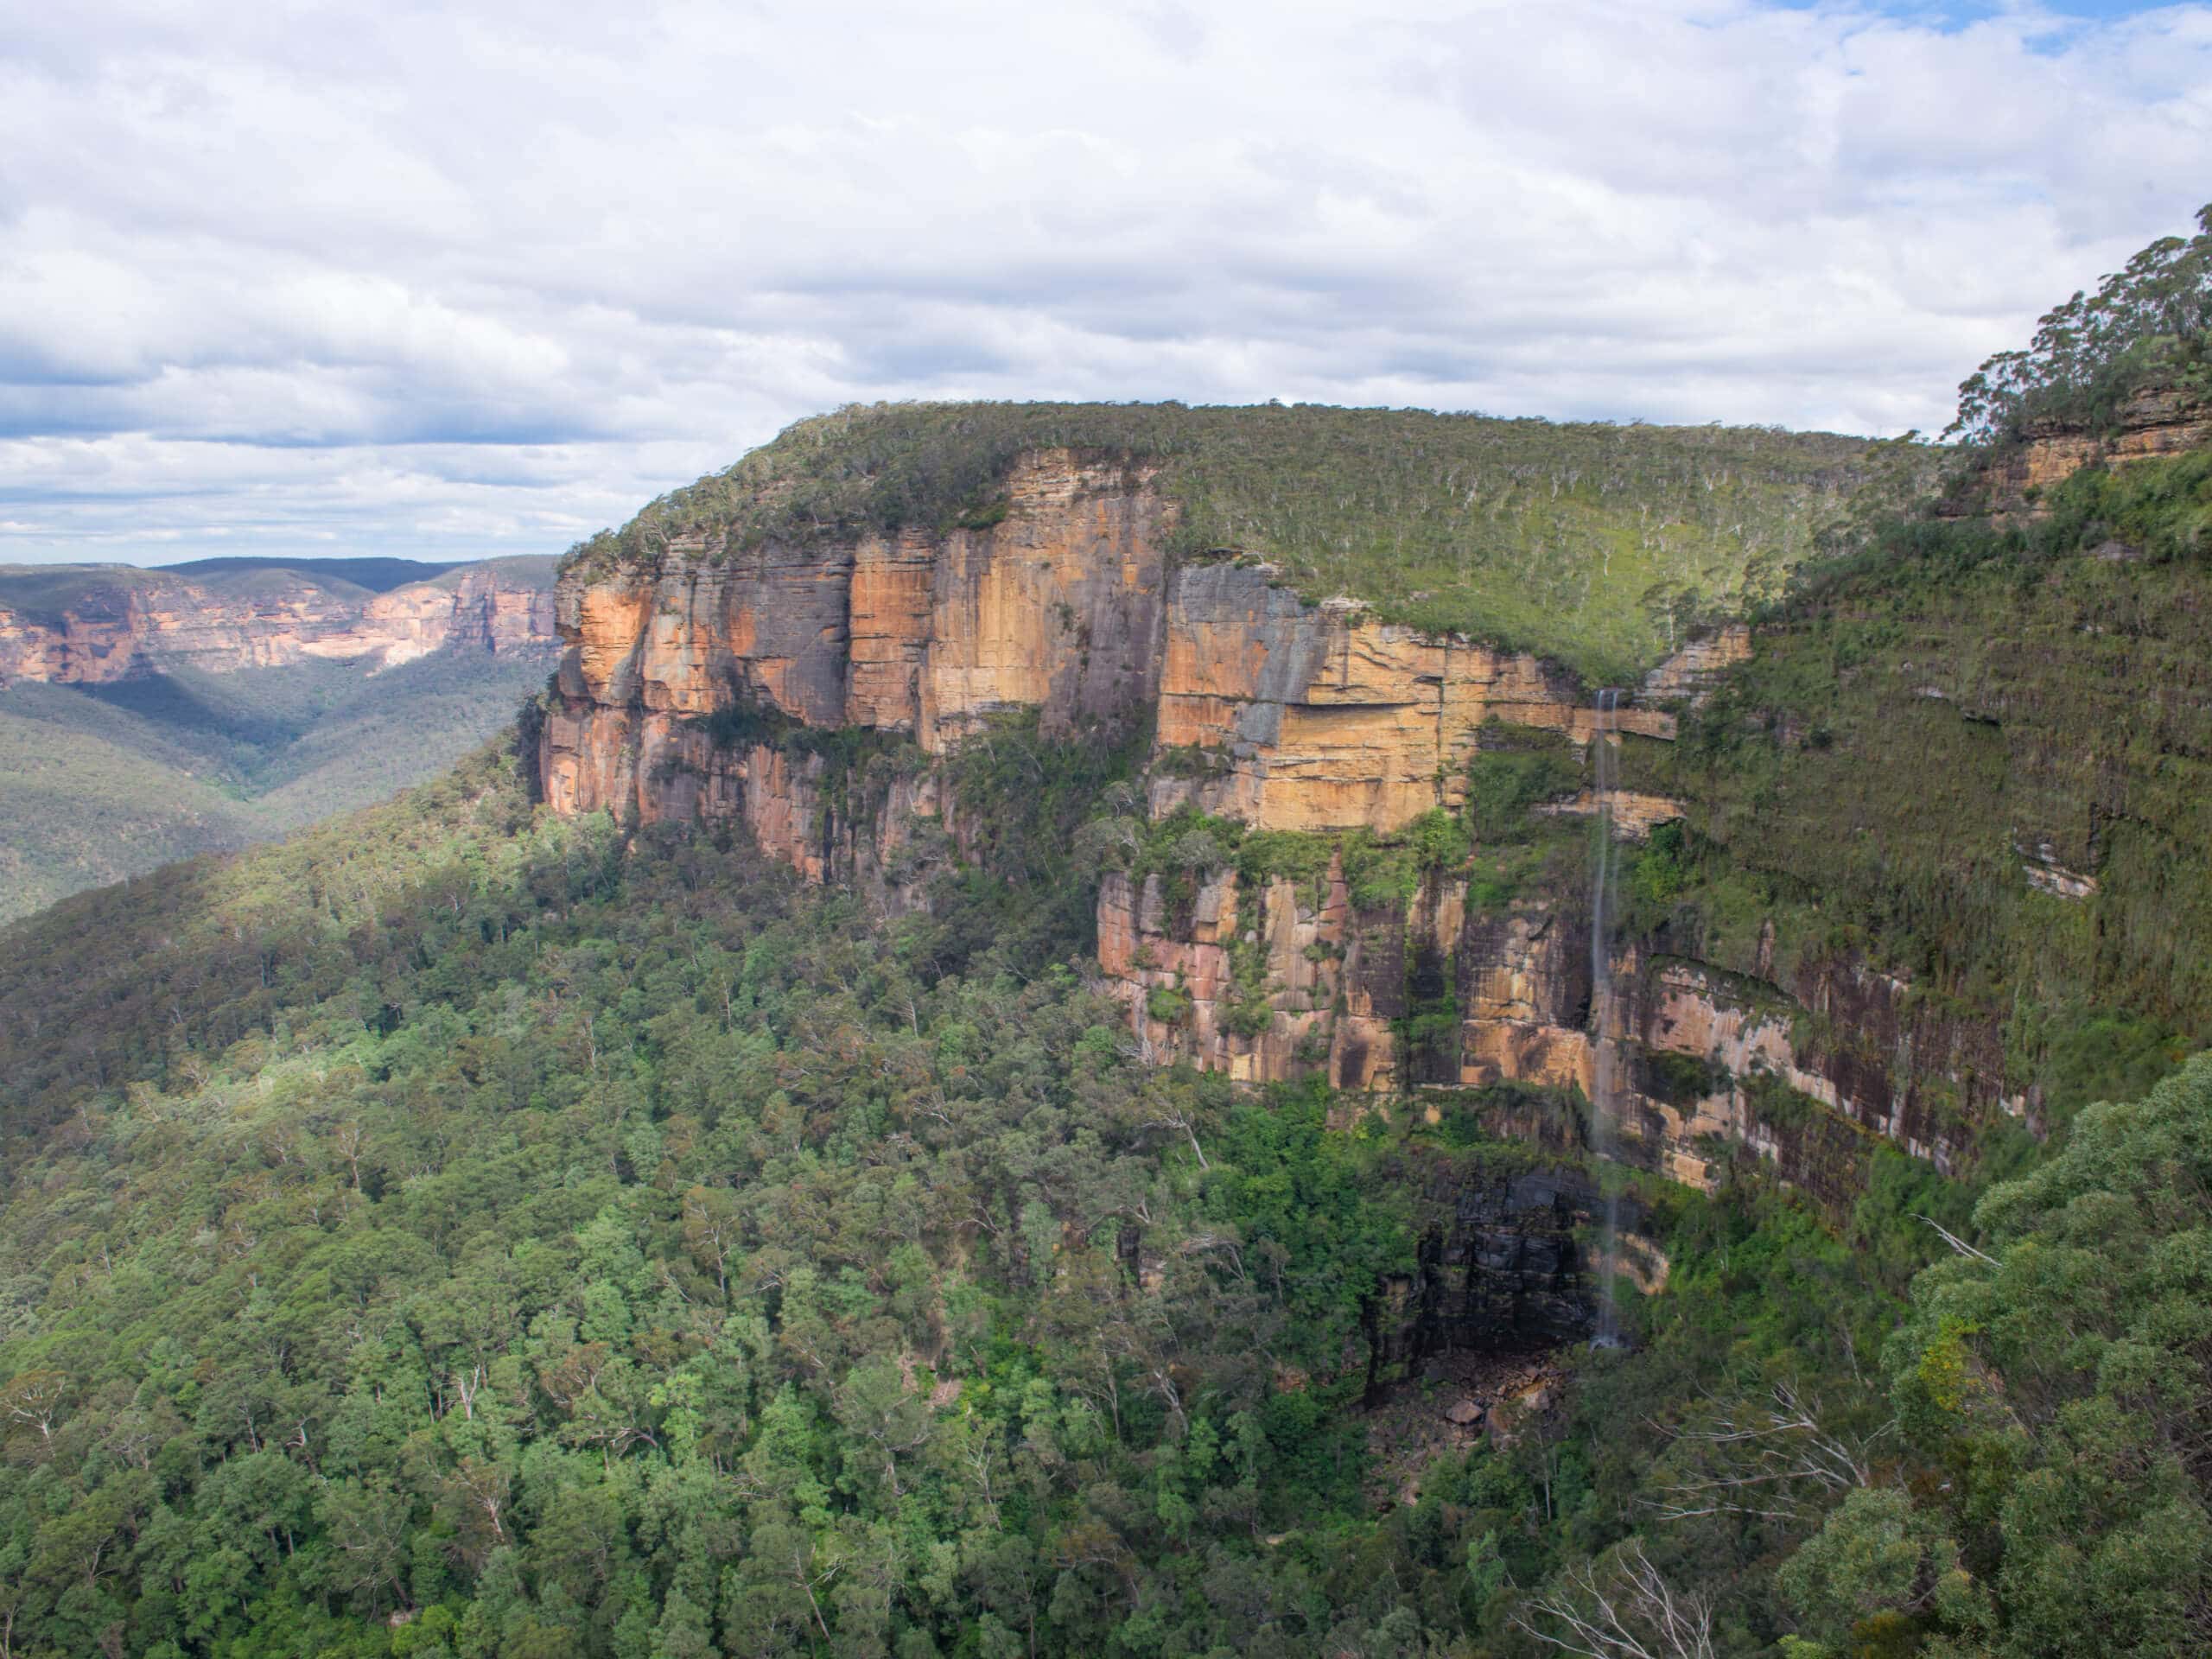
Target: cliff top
x: 1591, y: 542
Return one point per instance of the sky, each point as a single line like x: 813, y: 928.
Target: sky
x: 450, y: 280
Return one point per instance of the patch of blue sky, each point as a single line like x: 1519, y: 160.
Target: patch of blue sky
x: 1962, y: 13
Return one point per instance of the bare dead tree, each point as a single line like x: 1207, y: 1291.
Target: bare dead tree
x: 1625, y: 1610
x: 1959, y: 1244
x: 1778, y: 1461
x: 1159, y: 1110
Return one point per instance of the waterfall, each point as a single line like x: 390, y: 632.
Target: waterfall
x: 1603, y: 1099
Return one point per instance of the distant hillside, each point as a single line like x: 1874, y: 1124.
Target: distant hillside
x: 85, y: 624
x: 146, y: 716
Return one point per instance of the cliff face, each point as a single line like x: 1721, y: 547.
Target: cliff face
x: 1309, y: 717
x: 1343, y: 988
x: 1320, y: 719
x: 1284, y: 714
x: 1055, y: 607
x: 110, y: 625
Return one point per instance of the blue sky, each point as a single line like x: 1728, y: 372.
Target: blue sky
x: 449, y: 280
x: 1961, y: 11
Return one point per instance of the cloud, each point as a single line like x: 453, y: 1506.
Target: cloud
x: 452, y: 280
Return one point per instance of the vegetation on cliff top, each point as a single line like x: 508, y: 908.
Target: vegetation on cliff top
x: 1595, y: 544
x: 2148, y: 325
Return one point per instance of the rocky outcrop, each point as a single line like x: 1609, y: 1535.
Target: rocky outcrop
x: 1499, y: 1266
x: 1284, y: 714
x: 1056, y: 607
x: 1190, y: 962
x: 1318, y: 717
x: 2156, y: 421
x: 1635, y: 814
x: 1807, y: 1073
x: 488, y: 607
x: 1696, y: 666
x: 94, y: 625
x: 672, y: 675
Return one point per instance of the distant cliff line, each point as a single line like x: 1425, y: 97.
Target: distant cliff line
x: 99, y: 625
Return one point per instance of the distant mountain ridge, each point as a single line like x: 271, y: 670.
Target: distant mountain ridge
x: 149, y: 714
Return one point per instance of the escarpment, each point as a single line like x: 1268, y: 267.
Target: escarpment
x: 704, y: 684
x: 1445, y: 993
x: 1284, y: 714
x: 99, y: 624
x: 1319, y: 718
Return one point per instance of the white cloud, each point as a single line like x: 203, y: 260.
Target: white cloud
x: 459, y: 279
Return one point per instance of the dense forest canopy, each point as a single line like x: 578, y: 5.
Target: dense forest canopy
x: 532, y: 1245
x: 574, y: 1250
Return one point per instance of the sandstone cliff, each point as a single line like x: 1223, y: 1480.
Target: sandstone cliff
x: 1056, y: 607
x: 1307, y: 717
x: 1341, y: 986
x: 1322, y: 719
x: 82, y: 626
x: 686, y: 678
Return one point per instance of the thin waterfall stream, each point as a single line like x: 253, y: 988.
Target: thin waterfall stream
x: 1603, y: 1102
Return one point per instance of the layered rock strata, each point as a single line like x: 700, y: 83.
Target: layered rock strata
x: 2157, y: 421
x: 113, y: 624
x: 1057, y: 607
x: 1854, y: 1054
x: 1291, y: 715
x: 1317, y: 717
x: 1286, y: 714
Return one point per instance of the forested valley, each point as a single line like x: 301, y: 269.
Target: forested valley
x: 588, y: 1250
x: 464, y: 1231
